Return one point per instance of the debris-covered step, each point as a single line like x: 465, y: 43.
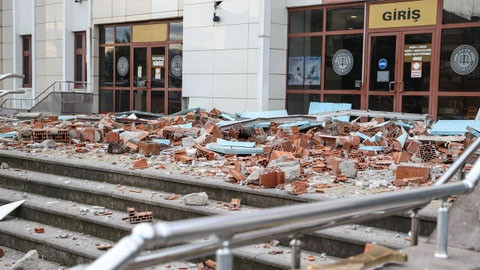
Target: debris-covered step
x: 183, y: 184
x: 13, y: 257
x: 164, y: 206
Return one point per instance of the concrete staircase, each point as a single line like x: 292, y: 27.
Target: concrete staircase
x: 63, y: 195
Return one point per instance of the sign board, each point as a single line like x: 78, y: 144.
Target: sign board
x: 295, y: 70
x: 416, y: 70
x: 382, y: 63
x: 158, y: 73
x: 149, y: 32
x: 417, y: 53
x: 158, y: 61
x: 402, y: 14
x: 313, y: 64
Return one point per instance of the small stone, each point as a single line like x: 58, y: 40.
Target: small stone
x: 29, y: 262
x: 4, y: 166
x: 48, y: 144
x: 368, y: 230
x: 64, y: 235
x: 196, y: 199
x: 274, y: 243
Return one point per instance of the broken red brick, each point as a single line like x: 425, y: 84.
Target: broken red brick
x: 104, y: 247
x: 137, y: 217
x: 211, y: 264
x: 140, y: 164
x: 406, y: 171
x: 39, y: 230
x: 112, y: 137
x: 237, y: 175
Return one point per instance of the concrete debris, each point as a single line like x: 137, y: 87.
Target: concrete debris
x: 29, y: 262
x: 196, y: 199
x: 4, y: 166
x: 135, y: 217
x: 48, y: 144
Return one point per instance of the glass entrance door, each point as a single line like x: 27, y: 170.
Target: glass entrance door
x: 399, y: 73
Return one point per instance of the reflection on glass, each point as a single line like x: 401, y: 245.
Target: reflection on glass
x: 352, y: 99
x: 106, y: 101
x: 140, y: 67
x: 464, y: 61
x: 122, y: 100
x: 416, y: 69
x: 106, y: 66
x: 415, y: 104
x: 158, y: 101
x: 26, y: 69
x: 306, y: 21
x: 351, y: 80
x: 304, y: 63
x: 79, y: 41
x: 174, y: 101
x: 123, y: 34
x: 380, y: 103
x: 158, y: 67
x: 461, y: 11
x: 458, y: 108
x: 78, y: 68
x: 175, y: 61
x: 176, y: 31
x: 122, y: 76
x: 140, y: 100
x: 382, y: 62
x: 106, y: 35
x: 299, y: 103
x: 345, y: 18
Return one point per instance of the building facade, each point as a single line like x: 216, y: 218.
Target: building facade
x: 161, y: 56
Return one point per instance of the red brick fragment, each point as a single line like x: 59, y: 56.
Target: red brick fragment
x: 140, y: 164
x: 39, y: 230
x: 113, y: 137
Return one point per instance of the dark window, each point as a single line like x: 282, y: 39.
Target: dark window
x: 106, y: 101
x: 140, y: 67
x: 175, y: 63
x: 122, y: 62
x: 417, y: 81
x: 176, y: 31
x: 458, y: 108
x: 352, y: 80
x: 122, y: 101
x: 415, y: 104
x: 459, y: 70
x: 380, y: 103
x: 461, y: 11
x: 158, y: 101
x: 106, y: 35
x: 158, y: 72
x: 122, y: 34
x: 140, y: 100
x: 80, y: 61
x: 174, y: 101
x: 106, y: 66
x: 306, y: 21
x: 352, y: 99
x: 300, y: 103
x: 345, y: 18
x: 27, y: 60
x: 383, y: 50
x: 304, y: 62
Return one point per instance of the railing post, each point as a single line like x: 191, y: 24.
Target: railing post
x: 415, y: 224
x: 295, y: 244
x: 442, y: 231
x: 224, y: 256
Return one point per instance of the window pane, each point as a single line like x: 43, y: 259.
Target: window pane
x: 78, y: 41
x: 382, y: 62
x: 106, y: 101
x: 140, y: 67
x: 299, y: 103
x: 122, y: 76
x: 106, y: 66
x: 78, y: 68
x: 158, y: 102
x: 459, y: 69
x: 176, y: 31
x: 106, y: 35
x: 415, y: 104
x: 352, y: 99
x: 380, y: 103
x: 349, y: 76
x: 175, y: 66
x: 174, y: 101
x: 458, y: 108
x: 304, y: 63
x: 416, y: 69
x: 123, y: 34
x: 461, y: 11
x: 345, y: 18
x: 122, y: 101
x: 306, y: 21
x: 140, y: 101
x: 26, y: 69
x: 158, y: 67
x: 26, y: 43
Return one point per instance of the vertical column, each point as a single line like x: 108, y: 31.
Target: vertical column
x: 414, y: 227
x: 224, y: 256
x: 442, y: 231
x: 295, y: 244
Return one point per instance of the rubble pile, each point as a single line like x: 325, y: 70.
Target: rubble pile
x: 288, y: 153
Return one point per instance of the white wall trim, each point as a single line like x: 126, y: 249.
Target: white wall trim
x: 264, y: 34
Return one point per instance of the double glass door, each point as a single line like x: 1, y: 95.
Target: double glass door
x: 149, y: 71
x: 400, y: 71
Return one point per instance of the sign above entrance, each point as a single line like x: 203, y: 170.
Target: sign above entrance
x: 150, y: 32
x: 403, y: 14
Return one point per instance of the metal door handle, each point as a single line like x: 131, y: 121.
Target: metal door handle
x: 390, y: 88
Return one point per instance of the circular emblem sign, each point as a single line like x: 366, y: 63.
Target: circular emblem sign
x: 342, y: 62
x: 382, y: 63
x: 464, y: 59
x: 122, y: 66
x: 176, y: 66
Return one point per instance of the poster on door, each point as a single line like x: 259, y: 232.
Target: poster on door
x: 158, y: 61
x: 312, y: 70
x: 416, y: 70
x: 295, y: 70
x: 158, y: 73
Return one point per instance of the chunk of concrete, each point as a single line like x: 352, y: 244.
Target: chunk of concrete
x: 197, y: 199
x: 48, y: 144
x: 348, y: 168
x: 188, y: 142
x: 290, y: 167
x: 30, y: 261
x: 254, y: 177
